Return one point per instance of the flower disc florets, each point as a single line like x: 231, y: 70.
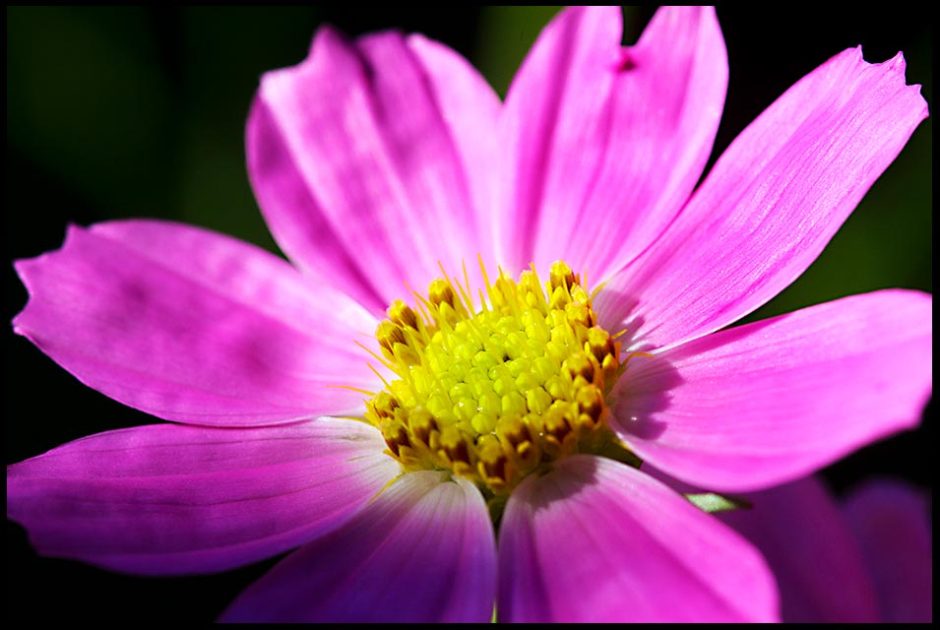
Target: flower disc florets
x: 496, y: 394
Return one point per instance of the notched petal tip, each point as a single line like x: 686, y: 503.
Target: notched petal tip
x: 897, y: 62
x: 419, y: 39
x: 896, y: 66
x: 326, y: 36
x: 325, y: 41
x: 420, y: 43
x: 71, y: 229
x: 26, y: 270
x: 22, y: 266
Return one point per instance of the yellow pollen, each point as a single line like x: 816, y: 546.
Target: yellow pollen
x: 497, y: 392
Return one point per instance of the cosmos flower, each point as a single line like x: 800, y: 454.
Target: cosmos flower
x: 866, y: 558
x: 434, y: 452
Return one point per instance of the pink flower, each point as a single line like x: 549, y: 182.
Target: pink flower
x: 378, y: 159
x: 864, y: 559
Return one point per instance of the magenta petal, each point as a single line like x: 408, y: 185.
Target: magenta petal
x: 170, y: 499
x: 765, y: 403
x: 770, y: 204
x: 294, y: 216
x: 372, y: 161
x: 423, y: 551
x: 604, y: 142
x: 595, y: 540
x: 469, y: 108
x: 811, y: 551
x: 193, y: 326
x: 891, y: 522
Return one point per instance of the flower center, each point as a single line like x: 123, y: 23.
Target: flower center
x: 499, y: 393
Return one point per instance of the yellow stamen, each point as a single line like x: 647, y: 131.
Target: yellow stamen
x: 496, y: 391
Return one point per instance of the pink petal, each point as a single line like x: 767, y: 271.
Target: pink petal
x: 372, y: 161
x: 422, y: 552
x: 812, y: 553
x: 604, y: 143
x: 595, y: 540
x: 770, y: 204
x: 171, y: 499
x: 470, y: 109
x: 891, y: 521
x: 193, y: 326
x: 765, y: 403
x: 294, y: 216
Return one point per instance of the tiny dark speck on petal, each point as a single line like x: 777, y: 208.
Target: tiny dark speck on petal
x: 626, y: 62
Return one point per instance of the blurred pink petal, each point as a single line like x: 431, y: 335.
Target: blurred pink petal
x: 370, y: 162
x: 170, y: 499
x: 594, y: 540
x: 767, y: 402
x: 422, y: 551
x: 868, y: 560
x: 890, y: 521
x: 194, y: 326
x: 770, y: 204
x: 605, y: 143
x: 813, y: 554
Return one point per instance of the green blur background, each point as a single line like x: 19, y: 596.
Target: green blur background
x: 122, y: 112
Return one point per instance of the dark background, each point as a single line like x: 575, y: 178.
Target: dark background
x: 119, y: 112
